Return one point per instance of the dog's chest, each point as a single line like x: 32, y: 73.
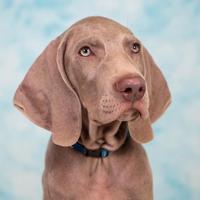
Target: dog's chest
x: 70, y: 175
x: 97, y: 186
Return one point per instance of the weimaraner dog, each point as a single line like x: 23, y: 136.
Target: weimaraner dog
x: 98, y: 90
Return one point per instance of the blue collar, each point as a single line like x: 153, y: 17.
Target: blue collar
x: 101, y: 153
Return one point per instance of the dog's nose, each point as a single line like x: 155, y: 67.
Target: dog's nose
x: 132, y: 89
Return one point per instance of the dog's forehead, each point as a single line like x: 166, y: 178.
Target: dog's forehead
x: 100, y: 26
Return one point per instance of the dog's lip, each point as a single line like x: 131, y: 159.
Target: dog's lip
x: 141, y: 108
x: 97, y: 122
x: 129, y: 115
x: 129, y: 111
x: 137, y: 108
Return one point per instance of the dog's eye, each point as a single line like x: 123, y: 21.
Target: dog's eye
x: 85, y: 51
x: 135, y: 47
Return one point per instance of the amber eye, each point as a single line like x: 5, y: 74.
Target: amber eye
x: 85, y: 51
x: 135, y: 47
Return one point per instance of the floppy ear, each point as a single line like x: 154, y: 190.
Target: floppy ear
x: 46, y: 97
x: 159, y: 100
x: 158, y: 90
x: 140, y: 130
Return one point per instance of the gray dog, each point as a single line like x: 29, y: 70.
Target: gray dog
x: 98, y: 90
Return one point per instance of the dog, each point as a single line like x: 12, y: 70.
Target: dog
x: 98, y: 90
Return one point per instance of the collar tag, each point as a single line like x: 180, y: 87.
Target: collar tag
x: 104, y: 153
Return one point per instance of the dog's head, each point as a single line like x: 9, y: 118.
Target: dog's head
x: 98, y: 65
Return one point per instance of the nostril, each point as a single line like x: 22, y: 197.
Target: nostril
x: 141, y: 89
x: 128, y: 90
x: 131, y: 89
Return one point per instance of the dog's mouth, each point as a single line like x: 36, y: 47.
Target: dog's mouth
x: 129, y: 115
x: 130, y: 112
x: 113, y: 110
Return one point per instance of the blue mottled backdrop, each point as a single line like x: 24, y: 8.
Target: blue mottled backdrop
x: 169, y: 29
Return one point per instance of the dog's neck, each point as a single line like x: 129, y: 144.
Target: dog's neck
x: 109, y: 136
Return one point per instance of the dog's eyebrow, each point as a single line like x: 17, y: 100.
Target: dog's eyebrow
x: 131, y: 38
x: 92, y: 41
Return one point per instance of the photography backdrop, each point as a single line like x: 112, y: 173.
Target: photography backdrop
x: 171, y: 32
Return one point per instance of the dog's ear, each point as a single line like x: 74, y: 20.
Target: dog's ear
x: 159, y: 100
x: 141, y: 130
x: 159, y: 94
x: 46, y: 97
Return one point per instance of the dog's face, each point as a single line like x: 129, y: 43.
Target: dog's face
x: 104, y: 62
x: 98, y: 65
